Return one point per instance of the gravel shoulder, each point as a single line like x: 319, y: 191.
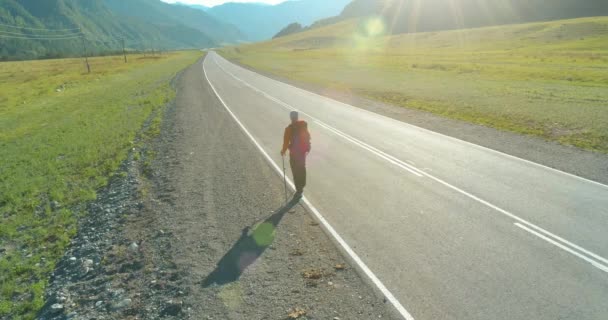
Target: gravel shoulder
x: 220, y: 185
x: 583, y: 163
x: 178, y: 235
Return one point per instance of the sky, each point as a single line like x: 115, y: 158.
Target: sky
x: 211, y: 3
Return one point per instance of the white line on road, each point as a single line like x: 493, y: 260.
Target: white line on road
x: 433, y: 132
x: 369, y: 148
x: 408, y: 167
x: 426, y: 174
x: 389, y: 296
x: 591, y: 261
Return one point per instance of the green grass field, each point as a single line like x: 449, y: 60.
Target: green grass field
x: 545, y: 79
x: 62, y: 134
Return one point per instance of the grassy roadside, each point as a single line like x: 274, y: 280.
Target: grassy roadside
x: 546, y: 79
x: 62, y: 134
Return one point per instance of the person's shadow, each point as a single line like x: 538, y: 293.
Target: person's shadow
x: 250, y: 246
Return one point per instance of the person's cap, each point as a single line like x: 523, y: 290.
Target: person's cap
x: 294, y: 115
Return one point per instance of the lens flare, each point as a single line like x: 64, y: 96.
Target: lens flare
x: 370, y: 36
x: 263, y: 235
x: 375, y: 27
x: 232, y: 296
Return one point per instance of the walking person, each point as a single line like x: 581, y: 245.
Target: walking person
x: 297, y: 140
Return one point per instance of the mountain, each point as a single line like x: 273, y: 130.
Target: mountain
x: 292, y: 28
x: 161, y: 13
x: 193, y: 6
x: 144, y: 24
x: 431, y: 15
x: 261, y: 22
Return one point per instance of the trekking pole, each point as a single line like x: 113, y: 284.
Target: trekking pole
x: 284, y: 179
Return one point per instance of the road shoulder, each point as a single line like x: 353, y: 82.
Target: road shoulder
x: 217, y: 186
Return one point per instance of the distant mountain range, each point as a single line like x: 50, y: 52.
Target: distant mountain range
x: 194, y: 6
x: 153, y: 24
x: 403, y: 16
x: 261, y: 22
x: 144, y: 24
x: 433, y: 15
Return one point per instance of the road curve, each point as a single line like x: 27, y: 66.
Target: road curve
x: 450, y: 229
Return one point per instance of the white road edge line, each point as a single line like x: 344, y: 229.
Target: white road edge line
x: 403, y: 165
x: 591, y: 261
x: 389, y: 296
x: 430, y: 131
x: 484, y: 202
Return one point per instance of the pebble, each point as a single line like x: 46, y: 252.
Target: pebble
x: 172, y: 309
x: 99, y: 304
x: 55, y: 205
x: 122, y: 304
x: 73, y: 259
x: 133, y: 247
x: 118, y: 293
x: 57, y: 307
x: 88, y: 263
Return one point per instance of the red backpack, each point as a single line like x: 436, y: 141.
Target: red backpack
x: 300, y: 137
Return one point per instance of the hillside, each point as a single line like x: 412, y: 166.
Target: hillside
x: 290, y: 29
x: 432, y: 15
x: 144, y: 24
x: 262, y: 22
x: 547, y: 79
x: 165, y: 14
x: 194, y: 6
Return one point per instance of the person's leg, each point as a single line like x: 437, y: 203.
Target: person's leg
x: 303, y: 171
x: 296, y: 169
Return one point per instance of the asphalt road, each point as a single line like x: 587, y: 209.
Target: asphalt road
x: 445, y: 228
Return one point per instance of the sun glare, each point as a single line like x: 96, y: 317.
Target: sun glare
x: 375, y: 27
x: 369, y: 39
